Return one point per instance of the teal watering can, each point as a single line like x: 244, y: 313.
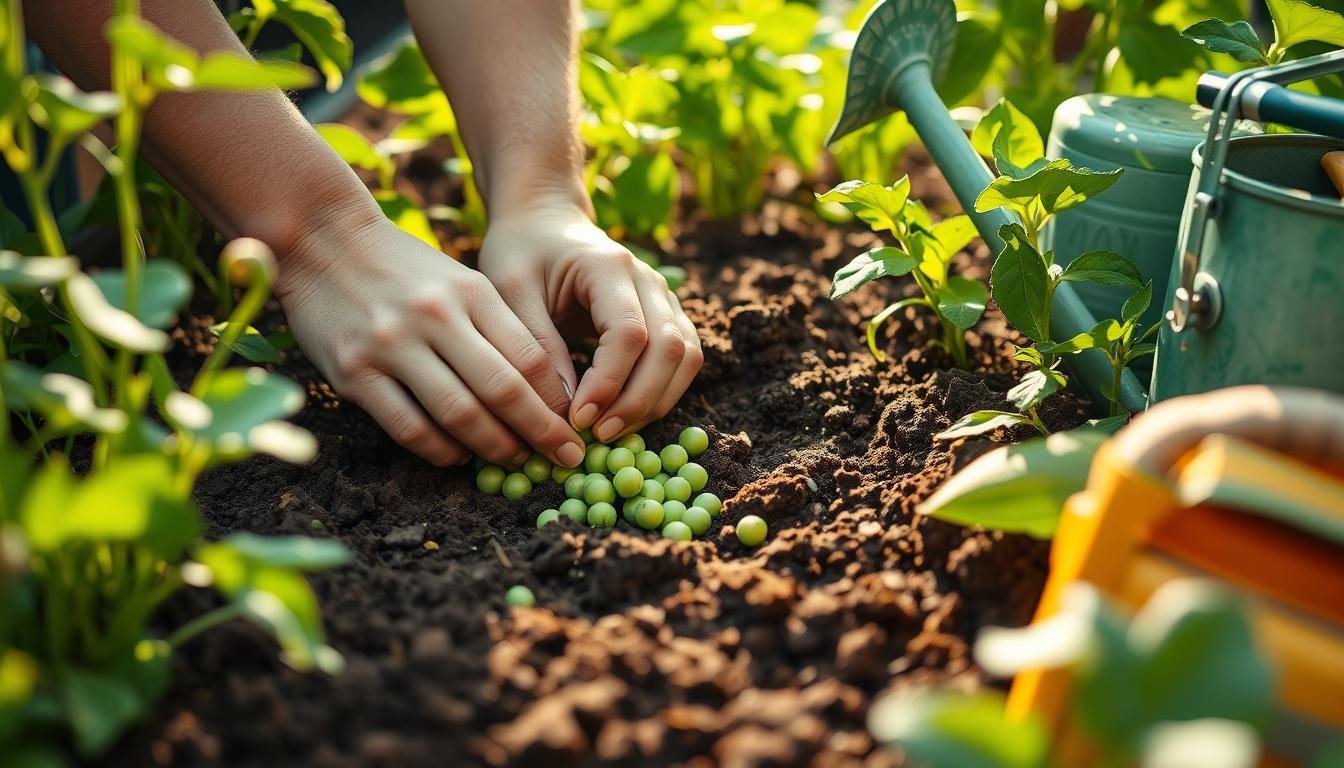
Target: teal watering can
x: 903, y: 47
x: 1258, y: 280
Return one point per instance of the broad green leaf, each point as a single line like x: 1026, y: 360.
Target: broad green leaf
x: 1237, y: 39
x: 164, y: 289
x: 168, y: 64
x: 18, y: 271
x: 1103, y: 268
x: 98, y: 708
x: 354, y: 148
x: 870, y: 265
x: 1109, y: 425
x: 406, y: 215
x: 67, y: 112
x: 1084, y: 340
x: 1035, y: 387
x: 979, y: 423
x: 1296, y: 21
x: 1054, y: 188
x: 402, y: 82
x: 881, y: 207
x: 1153, y: 51
x: 786, y: 29
x: 675, y: 276
x: 979, y: 40
x: 109, y: 322
x: 241, y: 399
x: 301, y: 552
x: 319, y: 26
x: 15, y: 470
x: 1010, y: 138
x: 961, y: 301
x: 946, y: 729
x: 954, y: 233
x: 11, y: 229
x: 228, y: 72
x: 1137, y: 304
x: 1019, y: 488
x: 66, y: 402
x: 251, y: 345
x: 1021, y: 284
x: 645, y: 193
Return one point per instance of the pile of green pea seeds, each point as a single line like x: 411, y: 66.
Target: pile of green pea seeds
x: 662, y: 491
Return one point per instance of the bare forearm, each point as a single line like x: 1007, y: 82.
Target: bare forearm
x: 248, y: 161
x: 509, y: 70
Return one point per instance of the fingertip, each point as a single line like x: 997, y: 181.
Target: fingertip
x: 584, y: 416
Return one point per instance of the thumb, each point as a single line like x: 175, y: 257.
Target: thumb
x: 531, y: 310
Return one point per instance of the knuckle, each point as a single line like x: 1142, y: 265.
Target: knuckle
x: 352, y: 367
x: 670, y: 351
x: 433, y: 306
x: 631, y: 335
x: 386, y: 334
x: 452, y: 412
x: 476, y: 288
x: 695, y: 356
x: 533, y: 362
x: 408, y: 430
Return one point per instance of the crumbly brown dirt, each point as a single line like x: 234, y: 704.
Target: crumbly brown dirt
x: 640, y: 651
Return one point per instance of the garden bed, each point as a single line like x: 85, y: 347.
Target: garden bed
x: 641, y: 650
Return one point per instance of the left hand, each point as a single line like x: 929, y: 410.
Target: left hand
x: 550, y: 263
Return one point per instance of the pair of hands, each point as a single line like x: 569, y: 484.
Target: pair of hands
x: 451, y: 361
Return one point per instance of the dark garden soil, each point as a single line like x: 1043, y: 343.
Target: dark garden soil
x: 641, y: 651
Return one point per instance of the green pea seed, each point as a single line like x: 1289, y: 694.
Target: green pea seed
x: 519, y: 595
x: 694, y: 474
x: 694, y: 439
x: 560, y: 474
x: 677, y: 530
x: 634, y: 443
x: 661, y: 477
x: 648, y: 463
x: 652, y: 489
x: 628, y: 509
x: 537, y: 468
x: 673, y: 511
x: 574, y: 485
x: 598, y: 488
x: 708, y: 502
x: 678, y: 488
x: 698, y: 519
x: 517, y: 486
x: 595, y: 458
x: 628, y: 482
x: 673, y: 456
x: 649, y: 514
x: 586, y: 435
x: 547, y: 517
x: 575, y: 510
x: 751, y: 530
x: 601, y: 515
x: 490, y: 480
x: 620, y: 458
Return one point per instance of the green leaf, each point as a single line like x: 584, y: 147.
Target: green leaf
x: 407, y: 215
x: 870, y: 265
x: 354, y: 148
x: 167, y: 63
x: 786, y: 29
x: 979, y: 423
x: 109, y: 322
x: 1021, y: 284
x: 1137, y: 304
x: 1084, y: 340
x: 15, y: 470
x: 402, y: 82
x: 164, y: 289
x: 978, y: 42
x: 675, y: 276
x: 1053, y: 188
x: 1010, y: 138
x: 1296, y: 21
x: 67, y: 402
x: 1035, y: 387
x: 954, y: 233
x: 645, y: 193
x: 228, y: 72
x: 1155, y: 51
x: 299, y: 552
x: 18, y: 271
x: 1237, y: 39
x: 251, y: 345
x: 98, y: 707
x: 67, y: 112
x: 881, y: 207
x: 946, y: 729
x: 319, y: 26
x: 242, y: 399
x: 11, y: 229
x: 1019, y: 488
x: 1103, y: 268
x: 961, y: 301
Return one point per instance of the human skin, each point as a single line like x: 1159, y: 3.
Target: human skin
x: 429, y: 347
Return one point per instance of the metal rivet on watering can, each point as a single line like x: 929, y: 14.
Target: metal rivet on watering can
x: 902, y: 49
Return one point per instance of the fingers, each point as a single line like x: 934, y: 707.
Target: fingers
x: 614, y: 304
x: 389, y: 405
x: 554, y: 378
x: 690, y: 364
x: 456, y: 409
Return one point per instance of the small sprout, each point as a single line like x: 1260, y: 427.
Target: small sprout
x: 601, y: 515
x: 560, y: 474
x: 432, y: 546
x: 575, y: 510
x: 517, y: 486
x: 652, y: 489
x: 628, y: 481
x: 673, y: 511
x: 751, y: 530
x: 673, y: 456
x: 649, y: 514
x: 490, y: 480
x: 694, y: 474
x: 633, y: 443
x: 520, y: 596
x: 648, y: 463
x: 678, y: 488
x: 708, y: 502
x: 620, y: 458
x: 598, y: 488
x: 695, y: 440
x: 595, y: 459
x: 677, y: 530
x: 537, y: 468
x: 574, y: 485
x: 548, y: 517
x: 697, y: 519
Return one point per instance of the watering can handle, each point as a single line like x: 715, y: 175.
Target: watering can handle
x: 1270, y: 103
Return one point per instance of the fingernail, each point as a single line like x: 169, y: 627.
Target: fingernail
x: 570, y: 454
x: 609, y: 428
x: 584, y: 418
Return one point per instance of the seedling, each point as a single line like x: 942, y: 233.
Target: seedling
x: 751, y: 530
x: 1295, y: 22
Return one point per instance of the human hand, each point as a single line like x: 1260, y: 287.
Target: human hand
x: 380, y: 313
x: 550, y: 263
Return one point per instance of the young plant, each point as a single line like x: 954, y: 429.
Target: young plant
x: 1295, y: 22
x: 924, y: 251
x: 316, y: 24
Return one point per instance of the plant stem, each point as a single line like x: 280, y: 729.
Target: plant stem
x: 202, y: 623
x: 252, y: 302
x: 1034, y: 420
x: 1117, y: 369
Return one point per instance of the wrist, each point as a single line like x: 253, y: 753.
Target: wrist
x: 330, y: 224
x: 520, y: 191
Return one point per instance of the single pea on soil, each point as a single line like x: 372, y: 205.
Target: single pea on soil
x: 660, y: 491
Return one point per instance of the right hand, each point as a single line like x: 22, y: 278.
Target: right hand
x: 380, y: 313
